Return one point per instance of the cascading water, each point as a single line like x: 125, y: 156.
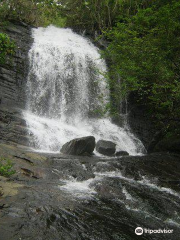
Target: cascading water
x: 65, y: 88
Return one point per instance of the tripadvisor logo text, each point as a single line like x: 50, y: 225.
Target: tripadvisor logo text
x: 140, y: 231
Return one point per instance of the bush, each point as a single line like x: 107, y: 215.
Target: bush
x: 6, y: 168
x: 7, y: 47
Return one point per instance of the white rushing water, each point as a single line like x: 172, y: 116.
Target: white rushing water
x: 65, y: 89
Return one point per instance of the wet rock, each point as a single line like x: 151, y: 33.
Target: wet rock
x: 13, y: 77
x: 141, y: 123
x: 70, y: 203
x: 79, y: 146
x: 8, y: 188
x: 121, y: 153
x: 29, y: 173
x: 107, y: 148
x: 158, y: 136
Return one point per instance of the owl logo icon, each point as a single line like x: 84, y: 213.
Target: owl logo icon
x: 138, y: 231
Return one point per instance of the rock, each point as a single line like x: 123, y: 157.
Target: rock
x: 107, y: 148
x: 142, y: 124
x: 168, y: 144
x: 158, y: 136
x: 79, y: 146
x: 121, y: 153
x: 13, y: 77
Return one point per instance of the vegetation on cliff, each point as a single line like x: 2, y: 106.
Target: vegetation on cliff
x: 6, y: 168
x: 6, y: 47
x: 145, y: 50
x: 32, y: 12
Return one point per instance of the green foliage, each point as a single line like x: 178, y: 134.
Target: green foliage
x: 6, y: 168
x: 33, y: 12
x: 90, y: 15
x: 6, y: 47
x: 144, y: 49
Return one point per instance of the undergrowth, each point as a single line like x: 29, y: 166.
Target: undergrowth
x: 6, y: 167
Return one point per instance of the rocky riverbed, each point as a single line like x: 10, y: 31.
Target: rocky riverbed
x: 55, y: 196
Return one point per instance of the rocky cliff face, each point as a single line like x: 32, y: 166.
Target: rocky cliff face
x: 140, y: 121
x: 13, y: 77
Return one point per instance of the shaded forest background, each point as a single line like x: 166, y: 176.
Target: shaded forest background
x: 143, y: 48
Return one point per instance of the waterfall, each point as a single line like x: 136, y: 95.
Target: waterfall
x: 66, y: 90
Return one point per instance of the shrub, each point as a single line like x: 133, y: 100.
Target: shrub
x: 6, y: 167
x: 7, y: 47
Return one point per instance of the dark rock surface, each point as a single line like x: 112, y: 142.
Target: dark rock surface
x: 13, y: 77
x: 158, y: 136
x: 107, y: 148
x: 122, y: 153
x: 141, y: 122
x: 168, y: 144
x: 108, y: 200
x: 12, y: 126
x: 79, y: 146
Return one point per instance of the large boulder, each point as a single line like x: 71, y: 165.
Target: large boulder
x: 121, y: 153
x: 79, y: 146
x: 107, y: 148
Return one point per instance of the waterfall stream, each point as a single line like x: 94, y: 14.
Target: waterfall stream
x: 66, y: 90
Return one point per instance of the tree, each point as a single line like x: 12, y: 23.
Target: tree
x: 90, y: 15
x: 33, y: 12
x: 145, y: 50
